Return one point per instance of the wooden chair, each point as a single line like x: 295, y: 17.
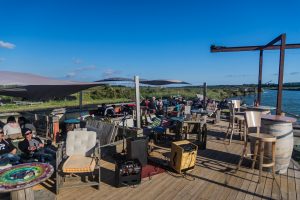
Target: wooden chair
x: 253, y: 120
x: 234, y: 120
x: 81, y: 160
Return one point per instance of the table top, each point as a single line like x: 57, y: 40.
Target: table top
x: 261, y: 107
x: 192, y: 122
x: 278, y: 118
x: 72, y: 121
x: 19, y: 177
x: 199, y: 111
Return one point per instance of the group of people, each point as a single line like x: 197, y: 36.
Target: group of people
x: 32, y: 147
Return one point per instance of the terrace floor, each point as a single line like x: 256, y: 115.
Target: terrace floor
x: 214, y: 177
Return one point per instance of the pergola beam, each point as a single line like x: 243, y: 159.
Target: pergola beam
x: 269, y: 46
x: 215, y: 49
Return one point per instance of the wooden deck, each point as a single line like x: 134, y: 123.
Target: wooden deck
x: 213, y: 178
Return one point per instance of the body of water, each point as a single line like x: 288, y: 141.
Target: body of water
x: 290, y: 100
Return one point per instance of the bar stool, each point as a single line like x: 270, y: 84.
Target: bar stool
x: 235, y: 118
x: 253, y: 120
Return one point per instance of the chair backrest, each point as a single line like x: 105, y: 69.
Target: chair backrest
x: 80, y: 143
x: 231, y: 109
x: 187, y: 110
x: 236, y: 104
x: 253, y: 119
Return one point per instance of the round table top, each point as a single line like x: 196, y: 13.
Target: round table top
x: 72, y: 121
x: 261, y: 107
x: 19, y: 177
x: 278, y: 118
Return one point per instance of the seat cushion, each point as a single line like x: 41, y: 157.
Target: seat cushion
x: 79, y: 164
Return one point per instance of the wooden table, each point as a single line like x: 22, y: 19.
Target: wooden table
x: 280, y: 127
x: 19, y: 179
x: 263, y: 109
x: 201, y: 131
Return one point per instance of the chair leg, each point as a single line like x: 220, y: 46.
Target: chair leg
x: 255, y: 154
x: 231, y: 134
x: 261, y: 159
x: 242, y: 156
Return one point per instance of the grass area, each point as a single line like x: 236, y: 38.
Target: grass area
x: 57, y: 104
x: 119, y: 94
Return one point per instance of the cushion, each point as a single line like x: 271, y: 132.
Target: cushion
x: 79, y: 164
x: 80, y: 143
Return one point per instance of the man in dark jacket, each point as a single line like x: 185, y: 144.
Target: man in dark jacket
x: 7, y: 151
x: 33, y: 147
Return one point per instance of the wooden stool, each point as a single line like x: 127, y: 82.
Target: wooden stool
x: 259, y: 151
x: 253, y: 120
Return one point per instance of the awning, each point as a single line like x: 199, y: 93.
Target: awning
x: 34, y: 87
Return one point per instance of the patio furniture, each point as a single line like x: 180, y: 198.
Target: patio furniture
x: 20, y: 179
x: 83, y: 160
x: 233, y: 120
x: 253, y: 120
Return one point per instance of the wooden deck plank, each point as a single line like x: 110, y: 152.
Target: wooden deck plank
x: 291, y: 182
x: 297, y: 181
x: 268, y: 185
x: 284, y: 185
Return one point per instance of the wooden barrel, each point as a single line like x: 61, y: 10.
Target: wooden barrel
x: 283, y: 131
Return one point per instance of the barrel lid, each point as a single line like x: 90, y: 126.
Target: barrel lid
x: 279, y: 118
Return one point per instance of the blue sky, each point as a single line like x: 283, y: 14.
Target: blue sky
x: 91, y: 40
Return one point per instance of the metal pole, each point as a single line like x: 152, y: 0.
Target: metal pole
x: 137, y: 101
x: 260, y: 76
x: 204, y: 94
x: 280, y: 75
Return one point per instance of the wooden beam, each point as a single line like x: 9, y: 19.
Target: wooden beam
x: 215, y: 49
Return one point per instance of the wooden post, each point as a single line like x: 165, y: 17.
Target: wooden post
x: 259, y: 90
x: 280, y: 75
x: 204, y: 94
x: 137, y: 101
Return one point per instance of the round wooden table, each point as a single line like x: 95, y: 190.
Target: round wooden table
x: 280, y: 127
x: 263, y: 109
x: 19, y: 179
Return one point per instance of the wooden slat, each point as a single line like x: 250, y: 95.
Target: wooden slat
x: 297, y: 180
x: 291, y: 182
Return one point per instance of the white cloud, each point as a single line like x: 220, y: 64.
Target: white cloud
x: 76, y: 61
x: 86, y: 68
x: 110, y: 73
x: 70, y: 74
x: 7, y: 45
x: 80, y: 70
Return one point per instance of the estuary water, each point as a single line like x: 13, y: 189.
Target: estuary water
x: 290, y: 100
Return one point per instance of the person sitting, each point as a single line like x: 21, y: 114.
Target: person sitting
x: 34, y: 148
x: 7, y: 151
x: 24, y: 123
x: 110, y: 111
x: 12, y: 128
x: 101, y: 110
